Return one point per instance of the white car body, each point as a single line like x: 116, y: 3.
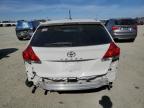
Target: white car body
x: 72, y: 68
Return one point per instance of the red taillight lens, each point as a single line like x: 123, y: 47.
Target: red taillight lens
x: 29, y: 55
x: 115, y: 28
x: 113, y: 51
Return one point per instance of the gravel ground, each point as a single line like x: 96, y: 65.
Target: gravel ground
x: 127, y: 91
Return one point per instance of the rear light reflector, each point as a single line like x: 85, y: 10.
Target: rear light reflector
x: 115, y: 28
x: 113, y: 51
x: 29, y: 55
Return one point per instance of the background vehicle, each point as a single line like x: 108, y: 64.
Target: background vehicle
x: 1, y: 24
x: 71, y: 55
x: 7, y: 23
x: 24, y: 30
x: 35, y: 24
x: 122, y: 28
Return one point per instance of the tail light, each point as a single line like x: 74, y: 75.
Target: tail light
x: 29, y: 55
x: 115, y: 28
x: 113, y: 51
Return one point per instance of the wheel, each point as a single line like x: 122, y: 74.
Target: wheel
x: 132, y: 40
x: 116, y: 39
x: 28, y: 83
x: 20, y: 38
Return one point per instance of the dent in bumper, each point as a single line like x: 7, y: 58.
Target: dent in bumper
x: 74, y: 86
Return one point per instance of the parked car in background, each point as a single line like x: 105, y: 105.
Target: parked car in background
x: 71, y: 55
x: 24, y: 30
x: 1, y: 24
x: 13, y: 23
x: 7, y: 23
x: 122, y: 28
x: 140, y: 20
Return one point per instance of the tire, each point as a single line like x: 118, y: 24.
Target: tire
x: 20, y: 39
x: 132, y: 40
x: 28, y: 83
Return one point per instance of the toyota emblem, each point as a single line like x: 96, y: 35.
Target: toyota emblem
x: 71, y: 54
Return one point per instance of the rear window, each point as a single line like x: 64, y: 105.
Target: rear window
x: 125, y: 22
x: 70, y: 35
x: 22, y: 25
x: 35, y: 23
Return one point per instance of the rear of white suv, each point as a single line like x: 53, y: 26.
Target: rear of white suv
x: 72, y: 55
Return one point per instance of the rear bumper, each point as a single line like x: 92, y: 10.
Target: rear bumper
x: 74, y: 86
x: 124, y: 36
x: 24, y: 36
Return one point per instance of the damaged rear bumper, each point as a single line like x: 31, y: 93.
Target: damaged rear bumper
x: 74, y: 85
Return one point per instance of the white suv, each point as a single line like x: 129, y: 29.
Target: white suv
x: 71, y: 55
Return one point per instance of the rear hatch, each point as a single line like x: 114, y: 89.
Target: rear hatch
x: 125, y: 26
x: 74, y: 50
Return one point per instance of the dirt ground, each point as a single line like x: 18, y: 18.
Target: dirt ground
x: 127, y: 91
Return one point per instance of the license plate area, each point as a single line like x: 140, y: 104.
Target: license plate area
x: 125, y: 28
x: 72, y: 79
